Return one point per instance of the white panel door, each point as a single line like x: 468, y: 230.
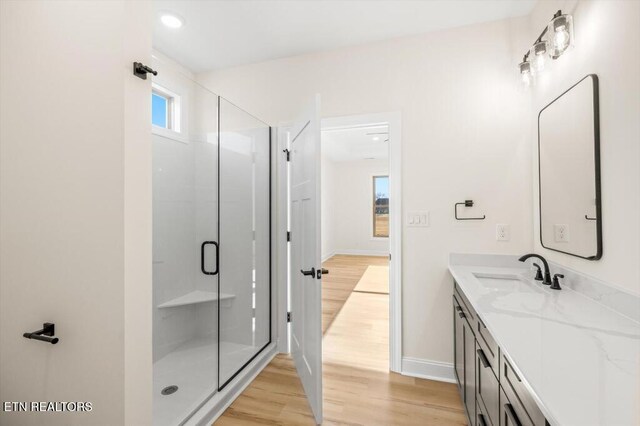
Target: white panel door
x: 306, y: 278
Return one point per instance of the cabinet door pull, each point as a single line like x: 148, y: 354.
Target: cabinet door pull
x: 481, y: 420
x: 483, y: 358
x: 508, y: 408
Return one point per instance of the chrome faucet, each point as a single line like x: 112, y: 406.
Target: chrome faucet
x: 547, y: 272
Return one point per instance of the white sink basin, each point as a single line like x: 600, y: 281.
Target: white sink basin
x: 503, y: 282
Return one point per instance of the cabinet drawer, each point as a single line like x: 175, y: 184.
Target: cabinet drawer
x: 482, y: 419
x: 487, y: 387
x: 519, y: 395
x: 512, y: 412
x: 489, y: 346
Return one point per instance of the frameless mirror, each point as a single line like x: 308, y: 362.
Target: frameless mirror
x: 569, y: 172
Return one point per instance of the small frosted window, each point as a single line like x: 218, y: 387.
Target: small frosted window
x: 159, y: 111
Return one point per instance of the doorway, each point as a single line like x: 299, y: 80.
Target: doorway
x: 361, y: 240
x: 375, y: 219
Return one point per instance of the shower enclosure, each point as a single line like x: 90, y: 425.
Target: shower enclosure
x: 211, y: 243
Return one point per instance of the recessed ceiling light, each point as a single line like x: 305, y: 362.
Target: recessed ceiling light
x: 170, y: 20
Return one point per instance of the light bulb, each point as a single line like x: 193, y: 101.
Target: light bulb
x: 538, y: 62
x: 538, y: 56
x: 561, y: 39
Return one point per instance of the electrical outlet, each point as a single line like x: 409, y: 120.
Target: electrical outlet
x: 561, y: 233
x: 503, y: 233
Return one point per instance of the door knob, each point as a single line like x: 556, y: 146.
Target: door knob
x: 311, y: 272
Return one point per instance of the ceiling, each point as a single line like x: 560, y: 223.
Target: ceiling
x: 355, y: 144
x: 225, y: 33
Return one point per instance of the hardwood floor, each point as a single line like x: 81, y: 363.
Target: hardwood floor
x: 358, y: 388
x: 344, y: 274
x: 275, y: 397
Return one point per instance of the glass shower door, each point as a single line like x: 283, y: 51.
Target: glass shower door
x: 245, y: 235
x: 185, y: 215
x: 211, y: 243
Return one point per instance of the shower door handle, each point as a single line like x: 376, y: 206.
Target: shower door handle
x: 204, y: 271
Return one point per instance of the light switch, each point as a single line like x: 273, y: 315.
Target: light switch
x: 418, y: 219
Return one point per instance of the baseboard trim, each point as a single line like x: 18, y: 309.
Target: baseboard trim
x: 362, y: 252
x: 328, y: 256
x: 426, y: 369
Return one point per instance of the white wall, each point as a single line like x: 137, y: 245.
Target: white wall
x: 328, y: 205
x: 75, y: 209
x: 464, y: 136
x: 607, y: 44
x: 347, y: 203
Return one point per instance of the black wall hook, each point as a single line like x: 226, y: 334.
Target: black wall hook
x: 44, y: 335
x: 467, y: 203
x: 141, y: 70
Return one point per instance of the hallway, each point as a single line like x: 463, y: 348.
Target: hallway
x: 358, y: 388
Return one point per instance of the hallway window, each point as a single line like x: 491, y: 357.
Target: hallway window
x: 381, y: 206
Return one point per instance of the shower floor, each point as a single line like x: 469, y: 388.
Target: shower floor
x: 193, y: 368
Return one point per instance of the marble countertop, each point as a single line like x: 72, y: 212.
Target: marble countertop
x: 579, y: 359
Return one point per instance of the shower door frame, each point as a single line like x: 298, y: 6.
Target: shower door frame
x: 222, y: 386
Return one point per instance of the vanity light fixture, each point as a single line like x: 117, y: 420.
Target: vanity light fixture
x: 556, y: 38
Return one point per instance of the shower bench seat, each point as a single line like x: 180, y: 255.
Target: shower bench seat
x: 198, y: 296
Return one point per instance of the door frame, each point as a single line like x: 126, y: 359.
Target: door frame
x: 394, y: 121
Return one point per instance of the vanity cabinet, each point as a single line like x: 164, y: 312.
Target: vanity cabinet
x: 491, y: 391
